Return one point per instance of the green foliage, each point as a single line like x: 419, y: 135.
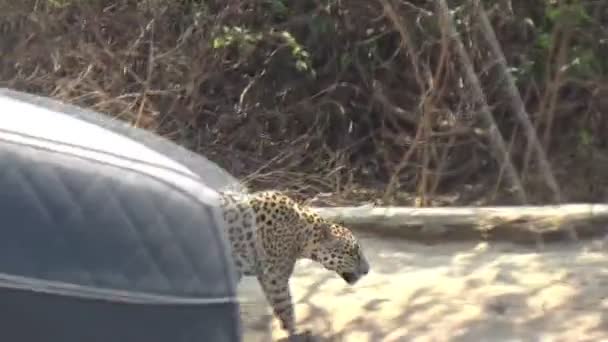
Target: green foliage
x: 237, y: 36
x: 59, y: 3
x: 568, y: 15
x: 586, y: 140
x: 298, y: 52
x: 585, y: 137
x: 584, y: 57
x: 278, y: 8
x: 247, y: 41
x: 320, y: 25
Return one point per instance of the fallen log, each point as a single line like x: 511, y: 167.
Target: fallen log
x: 464, y: 222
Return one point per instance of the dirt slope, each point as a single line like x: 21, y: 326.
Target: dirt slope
x: 450, y: 292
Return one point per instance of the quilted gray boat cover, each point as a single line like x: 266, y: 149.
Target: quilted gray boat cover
x: 108, y: 233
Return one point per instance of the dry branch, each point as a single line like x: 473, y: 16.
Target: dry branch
x: 464, y: 221
x: 497, y: 140
x: 517, y: 103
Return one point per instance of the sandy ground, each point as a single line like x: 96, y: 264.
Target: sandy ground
x: 449, y: 292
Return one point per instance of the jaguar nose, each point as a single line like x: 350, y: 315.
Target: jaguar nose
x: 364, y: 267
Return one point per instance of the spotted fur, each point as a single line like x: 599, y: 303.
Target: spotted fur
x: 269, y: 232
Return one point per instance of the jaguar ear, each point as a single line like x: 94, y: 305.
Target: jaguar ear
x: 326, y: 233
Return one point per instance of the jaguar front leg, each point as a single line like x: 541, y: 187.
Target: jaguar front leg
x: 275, y: 284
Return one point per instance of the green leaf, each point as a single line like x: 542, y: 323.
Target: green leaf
x: 301, y: 65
